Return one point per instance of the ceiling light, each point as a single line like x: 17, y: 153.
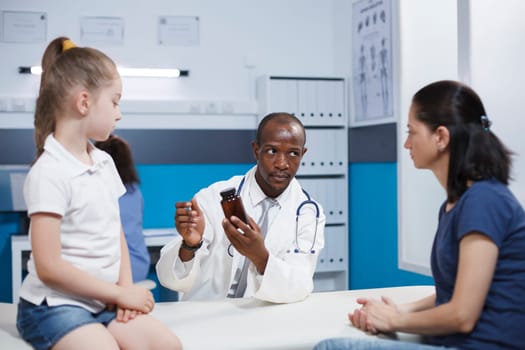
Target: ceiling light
x: 126, y: 72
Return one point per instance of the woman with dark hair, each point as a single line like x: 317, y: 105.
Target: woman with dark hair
x: 478, y: 255
x: 131, y: 205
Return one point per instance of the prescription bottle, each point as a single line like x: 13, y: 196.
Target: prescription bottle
x: 232, y: 205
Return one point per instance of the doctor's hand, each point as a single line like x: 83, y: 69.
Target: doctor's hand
x: 189, y: 221
x: 250, y: 243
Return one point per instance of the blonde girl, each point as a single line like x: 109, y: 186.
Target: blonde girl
x: 79, y: 293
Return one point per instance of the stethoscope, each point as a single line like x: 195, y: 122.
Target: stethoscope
x: 297, y: 248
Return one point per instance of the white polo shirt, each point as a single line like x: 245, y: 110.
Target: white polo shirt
x: 87, y: 199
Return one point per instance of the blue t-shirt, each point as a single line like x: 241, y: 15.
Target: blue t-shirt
x: 131, y: 214
x: 487, y: 207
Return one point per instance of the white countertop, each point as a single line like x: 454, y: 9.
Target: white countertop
x: 252, y: 324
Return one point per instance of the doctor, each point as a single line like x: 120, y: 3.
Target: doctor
x: 208, y: 259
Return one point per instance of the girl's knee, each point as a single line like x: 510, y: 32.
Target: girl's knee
x: 171, y: 342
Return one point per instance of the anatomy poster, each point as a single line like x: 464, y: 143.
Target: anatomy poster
x: 372, y: 60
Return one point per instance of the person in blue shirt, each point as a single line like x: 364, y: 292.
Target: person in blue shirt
x: 131, y: 205
x: 478, y: 254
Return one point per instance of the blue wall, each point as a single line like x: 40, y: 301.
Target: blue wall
x: 9, y: 224
x: 373, y: 217
x: 373, y: 228
x: 163, y: 185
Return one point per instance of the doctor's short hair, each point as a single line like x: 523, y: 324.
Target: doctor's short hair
x: 281, y: 118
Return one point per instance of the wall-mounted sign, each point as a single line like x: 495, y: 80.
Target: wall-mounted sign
x: 24, y: 27
x: 179, y: 30
x: 372, y: 62
x: 102, y: 31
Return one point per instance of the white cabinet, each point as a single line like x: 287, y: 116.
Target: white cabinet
x: 326, y: 154
x: 331, y: 193
x: 320, y: 103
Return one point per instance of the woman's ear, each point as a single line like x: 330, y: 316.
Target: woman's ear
x: 442, y: 138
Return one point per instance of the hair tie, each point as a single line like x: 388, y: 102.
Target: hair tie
x: 67, y: 44
x: 485, y: 123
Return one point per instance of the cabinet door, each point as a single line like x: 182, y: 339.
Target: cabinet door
x: 334, y: 257
x: 282, y: 97
x: 330, y: 103
x: 326, y: 155
x: 331, y: 194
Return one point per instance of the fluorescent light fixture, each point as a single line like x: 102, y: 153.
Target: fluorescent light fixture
x: 151, y: 72
x: 36, y: 70
x: 125, y: 72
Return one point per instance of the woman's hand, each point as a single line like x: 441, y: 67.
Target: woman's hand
x: 375, y: 316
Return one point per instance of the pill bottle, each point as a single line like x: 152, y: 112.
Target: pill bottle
x: 232, y: 205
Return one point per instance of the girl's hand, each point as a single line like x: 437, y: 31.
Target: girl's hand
x: 125, y: 315
x: 135, y: 298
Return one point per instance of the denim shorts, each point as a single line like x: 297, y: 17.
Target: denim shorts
x: 43, y: 326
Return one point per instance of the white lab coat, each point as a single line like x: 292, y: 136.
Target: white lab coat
x: 288, y: 276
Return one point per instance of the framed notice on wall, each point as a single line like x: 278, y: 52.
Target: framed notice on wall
x: 372, y: 68
x: 23, y: 26
x: 102, y: 31
x: 179, y: 30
